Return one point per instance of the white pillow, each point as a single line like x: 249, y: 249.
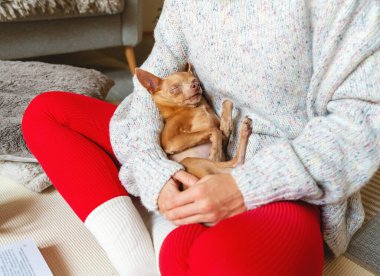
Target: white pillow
x: 30, y: 175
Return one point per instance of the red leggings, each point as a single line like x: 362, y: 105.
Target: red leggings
x: 282, y: 238
x: 69, y: 135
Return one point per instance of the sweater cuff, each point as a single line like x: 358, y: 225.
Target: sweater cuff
x: 275, y: 173
x: 152, y: 173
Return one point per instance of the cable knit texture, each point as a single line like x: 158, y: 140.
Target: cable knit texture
x: 306, y: 72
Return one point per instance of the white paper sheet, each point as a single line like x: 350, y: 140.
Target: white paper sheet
x: 22, y: 258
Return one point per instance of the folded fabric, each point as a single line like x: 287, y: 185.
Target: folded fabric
x: 20, y: 82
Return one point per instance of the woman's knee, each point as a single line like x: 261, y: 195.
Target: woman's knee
x: 280, y: 239
x: 220, y: 251
x: 38, y: 106
x: 176, y: 247
x: 33, y: 111
x: 42, y: 107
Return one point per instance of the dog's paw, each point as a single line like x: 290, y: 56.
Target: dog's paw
x: 246, y: 128
x: 227, y: 104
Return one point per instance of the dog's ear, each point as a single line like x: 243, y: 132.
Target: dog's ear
x: 151, y: 82
x: 189, y: 68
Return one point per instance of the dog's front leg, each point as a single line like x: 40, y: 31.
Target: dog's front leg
x: 173, y: 144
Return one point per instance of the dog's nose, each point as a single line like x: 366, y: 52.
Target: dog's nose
x: 194, y: 85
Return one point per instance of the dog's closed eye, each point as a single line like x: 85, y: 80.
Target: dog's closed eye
x: 175, y: 89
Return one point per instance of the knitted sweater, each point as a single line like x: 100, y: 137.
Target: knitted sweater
x: 308, y: 75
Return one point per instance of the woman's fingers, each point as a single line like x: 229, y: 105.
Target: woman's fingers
x: 186, y: 178
x: 195, y: 219
x: 198, y: 211
x: 168, y: 192
x: 170, y: 196
x: 183, y: 211
x: 210, y: 200
x: 182, y: 198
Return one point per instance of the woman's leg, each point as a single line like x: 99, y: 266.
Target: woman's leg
x: 282, y: 238
x: 69, y: 136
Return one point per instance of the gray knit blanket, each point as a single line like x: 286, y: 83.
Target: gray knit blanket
x: 19, y: 9
x: 20, y: 82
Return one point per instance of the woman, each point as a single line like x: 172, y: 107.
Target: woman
x: 305, y: 72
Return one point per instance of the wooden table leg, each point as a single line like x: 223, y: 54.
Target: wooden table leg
x: 130, y: 56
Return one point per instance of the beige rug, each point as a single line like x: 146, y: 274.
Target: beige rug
x: 67, y: 246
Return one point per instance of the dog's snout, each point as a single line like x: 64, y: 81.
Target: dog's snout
x: 194, y: 85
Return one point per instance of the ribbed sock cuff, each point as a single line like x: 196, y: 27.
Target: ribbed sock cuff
x: 119, y: 229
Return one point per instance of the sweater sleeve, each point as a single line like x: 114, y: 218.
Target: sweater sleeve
x: 136, y: 124
x: 339, y: 149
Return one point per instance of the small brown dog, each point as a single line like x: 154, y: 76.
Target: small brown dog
x: 193, y: 134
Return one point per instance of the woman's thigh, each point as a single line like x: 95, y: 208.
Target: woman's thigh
x: 83, y: 114
x: 69, y: 136
x: 281, y: 238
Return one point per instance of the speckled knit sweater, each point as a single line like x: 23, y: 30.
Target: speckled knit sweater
x: 306, y: 72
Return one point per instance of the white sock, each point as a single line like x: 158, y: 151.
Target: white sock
x: 160, y: 230
x: 121, y: 232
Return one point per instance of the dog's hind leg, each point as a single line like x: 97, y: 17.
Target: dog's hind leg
x: 201, y: 167
x: 245, y: 132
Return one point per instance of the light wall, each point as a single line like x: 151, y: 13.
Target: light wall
x: 150, y: 12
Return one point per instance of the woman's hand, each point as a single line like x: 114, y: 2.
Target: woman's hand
x: 209, y: 200
x: 171, y: 189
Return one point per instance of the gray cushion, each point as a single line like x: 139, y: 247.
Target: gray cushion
x: 20, y: 82
x: 15, y: 10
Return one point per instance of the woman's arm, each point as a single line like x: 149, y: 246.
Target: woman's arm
x: 136, y: 125
x: 339, y: 149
